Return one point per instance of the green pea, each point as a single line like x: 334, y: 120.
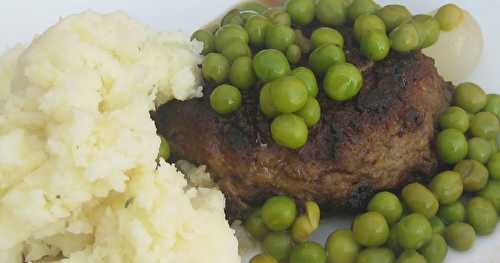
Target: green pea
x: 492, y: 193
x: 494, y: 166
x: 375, y: 45
x: 207, y: 39
x: 232, y: 17
x: 270, y: 64
x: 289, y: 94
x: 427, y: 28
x: 294, y: 54
x: 470, y: 97
x: 393, y: 242
x: 164, y: 151
x: 301, y: 11
x: 289, y: 130
x: 229, y: 33
x: 279, y: 212
x: 376, y: 255
x: 308, y: 252
x: 307, y: 76
x: 254, y: 224
x: 474, y: 175
x: 341, y: 247
x: 215, y: 67
x: 420, y: 199
x: 479, y: 150
x: 411, y: 256
x: 460, y: 236
x: 306, y: 223
x: 452, y: 146
x: 449, y: 17
x: 279, y: 37
x: 413, y: 231
x: 325, y: 35
x: 266, y: 101
x: 263, y: 259
x: 452, y: 213
x: 302, y: 229
x: 370, y: 229
x: 481, y: 214
x: 362, y: 7
x: 311, y: 112
x: 278, y: 245
x: 331, y: 12
x: 405, y: 38
x: 367, y: 23
x: 387, y: 204
x: 393, y: 15
x: 493, y: 104
x: 447, y: 187
x: 256, y: 27
x: 247, y: 14
x: 241, y: 73
x: 253, y: 6
x: 279, y: 17
x: 494, y: 145
x: 454, y: 118
x: 303, y: 42
x: 236, y: 49
x: 343, y: 81
x: 485, y: 125
x: 437, y: 225
x: 324, y: 57
x: 225, y: 99
x: 435, y: 250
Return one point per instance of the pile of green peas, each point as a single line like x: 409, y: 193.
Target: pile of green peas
x: 284, y: 232
x: 420, y: 224
x: 284, y: 52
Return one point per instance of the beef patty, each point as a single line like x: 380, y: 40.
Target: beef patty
x: 380, y: 140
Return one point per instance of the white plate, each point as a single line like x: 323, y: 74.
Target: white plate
x: 21, y: 19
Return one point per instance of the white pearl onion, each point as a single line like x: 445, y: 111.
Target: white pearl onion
x: 457, y: 53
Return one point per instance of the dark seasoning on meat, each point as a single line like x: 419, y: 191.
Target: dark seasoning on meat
x: 381, y: 140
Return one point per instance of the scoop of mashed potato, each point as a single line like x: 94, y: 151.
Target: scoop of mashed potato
x: 79, y: 180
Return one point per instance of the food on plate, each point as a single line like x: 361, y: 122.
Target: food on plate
x: 309, y: 104
x: 79, y: 177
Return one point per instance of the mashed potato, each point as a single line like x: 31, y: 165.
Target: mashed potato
x: 79, y: 180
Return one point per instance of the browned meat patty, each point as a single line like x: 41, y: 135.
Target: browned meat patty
x: 380, y: 140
